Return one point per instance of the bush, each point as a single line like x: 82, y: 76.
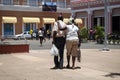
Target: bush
x: 99, y: 34
x: 84, y: 32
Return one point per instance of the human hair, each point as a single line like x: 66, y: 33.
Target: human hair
x: 60, y: 18
x: 73, y: 21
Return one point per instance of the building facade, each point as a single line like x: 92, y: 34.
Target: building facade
x: 17, y: 16
x: 92, y: 13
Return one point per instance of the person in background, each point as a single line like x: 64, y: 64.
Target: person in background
x: 37, y: 35
x: 41, y: 36
x: 48, y: 34
x: 59, y: 39
x: 44, y: 34
x: 91, y: 34
x: 31, y: 33
x: 73, y: 42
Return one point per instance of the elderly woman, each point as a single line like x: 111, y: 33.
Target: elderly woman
x: 72, y: 42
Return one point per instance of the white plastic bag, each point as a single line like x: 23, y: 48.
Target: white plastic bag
x: 54, y: 51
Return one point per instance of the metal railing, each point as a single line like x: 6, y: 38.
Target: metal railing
x: 36, y: 4
x: 96, y: 2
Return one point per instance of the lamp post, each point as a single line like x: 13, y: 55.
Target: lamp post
x: 106, y: 24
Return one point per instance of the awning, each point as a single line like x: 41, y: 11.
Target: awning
x: 31, y: 20
x: 66, y: 20
x: 48, y: 20
x: 9, y: 19
x: 98, y: 13
x: 82, y: 14
x: 78, y: 21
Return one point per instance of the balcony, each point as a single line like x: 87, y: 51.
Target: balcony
x: 35, y: 8
x: 91, y: 3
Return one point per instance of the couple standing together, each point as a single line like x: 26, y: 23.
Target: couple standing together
x: 65, y: 35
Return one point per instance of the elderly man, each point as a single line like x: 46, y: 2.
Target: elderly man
x: 59, y: 39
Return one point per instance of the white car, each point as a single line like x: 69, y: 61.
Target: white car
x: 24, y: 35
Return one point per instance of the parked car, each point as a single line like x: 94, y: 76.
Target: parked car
x: 24, y: 35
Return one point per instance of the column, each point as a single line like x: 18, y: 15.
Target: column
x: 98, y: 21
x: 58, y: 3
x: 19, y: 26
x: 109, y: 29
x: 1, y: 26
x: 65, y: 3
x: 89, y: 19
x: 20, y: 2
x: 85, y: 22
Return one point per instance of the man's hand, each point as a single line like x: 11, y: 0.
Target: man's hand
x: 79, y: 45
x: 53, y: 42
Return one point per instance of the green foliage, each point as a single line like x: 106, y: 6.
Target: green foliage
x: 99, y: 32
x: 84, y: 32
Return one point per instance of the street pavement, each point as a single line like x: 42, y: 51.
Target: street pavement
x: 35, y: 44
x: 95, y: 64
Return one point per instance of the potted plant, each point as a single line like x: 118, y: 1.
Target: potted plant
x: 84, y: 34
x: 99, y: 34
x: 109, y: 37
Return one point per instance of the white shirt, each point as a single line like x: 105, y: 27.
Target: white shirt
x: 55, y: 27
x: 40, y: 33
x: 72, y: 32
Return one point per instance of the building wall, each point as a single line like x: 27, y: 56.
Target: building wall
x: 0, y: 25
x: 95, y: 9
x: 23, y: 10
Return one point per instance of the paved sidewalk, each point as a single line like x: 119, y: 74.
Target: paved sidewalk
x: 95, y: 65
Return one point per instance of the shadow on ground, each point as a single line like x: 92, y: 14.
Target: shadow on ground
x: 112, y: 75
x: 67, y: 68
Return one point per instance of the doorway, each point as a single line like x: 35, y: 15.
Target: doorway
x: 48, y: 30
x: 116, y: 24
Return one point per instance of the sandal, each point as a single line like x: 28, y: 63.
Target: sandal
x: 73, y: 67
x: 68, y: 66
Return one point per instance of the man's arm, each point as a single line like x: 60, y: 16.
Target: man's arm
x: 79, y: 38
x: 54, y: 35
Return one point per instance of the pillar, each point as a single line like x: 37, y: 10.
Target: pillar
x: 109, y: 30
x: 0, y: 26
x: 85, y: 22
x: 89, y: 19
x: 98, y: 21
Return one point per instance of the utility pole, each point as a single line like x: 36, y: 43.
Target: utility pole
x: 106, y: 24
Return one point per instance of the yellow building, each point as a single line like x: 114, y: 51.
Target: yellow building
x: 17, y: 16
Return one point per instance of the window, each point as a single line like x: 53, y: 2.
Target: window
x: 47, y: 0
x: 49, y: 6
x: 16, y: 2
x: 7, y: 2
x: 24, y: 2
x: 33, y: 2
x: 61, y: 4
x: 40, y: 2
x: 8, y: 29
x: 28, y: 26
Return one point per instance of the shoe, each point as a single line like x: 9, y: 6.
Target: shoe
x: 73, y: 68
x: 60, y: 67
x: 68, y: 66
x: 54, y: 67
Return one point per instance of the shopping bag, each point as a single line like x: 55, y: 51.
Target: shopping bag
x: 54, y: 51
x: 79, y: 55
